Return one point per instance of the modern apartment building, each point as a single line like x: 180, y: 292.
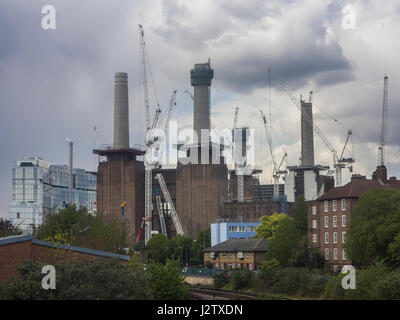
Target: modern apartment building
x: 329, y: 215
x: 40, y: 188
x: 223, y: 231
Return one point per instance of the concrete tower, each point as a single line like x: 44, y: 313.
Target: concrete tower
x: 307, y: 135
x: 121, y: 111
x: 200, y: 78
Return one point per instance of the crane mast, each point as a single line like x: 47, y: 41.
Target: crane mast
x: 160, y: 212
x: 384, y: 121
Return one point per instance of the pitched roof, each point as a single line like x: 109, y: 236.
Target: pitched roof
x: 356, y: 187
x: 240, y: 245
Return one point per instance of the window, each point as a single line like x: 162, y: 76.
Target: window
x: 18, y: 215
x: 334, y: 205
x: 314, y: 210
x: 314, y: 224
x: 343, y: 220
x: 343, y: 204
x: 326, y: 221
x: 344, y: 255
x: 335, y: 268
x: 335, y: 237
x: 344, y: 237
x: 326, y: 253
x: 326, y: 204
x: 335, y: 254
x: 314, y: 238
x: 334, y: 221
x: 326, y: 237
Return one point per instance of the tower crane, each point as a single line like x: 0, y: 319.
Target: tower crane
x: 338, y: 162
x: 160, y: 212
x: 240, y: 177
x: 381, y: 150
x: 276, y: 168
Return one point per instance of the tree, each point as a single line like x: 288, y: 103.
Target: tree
x: 269, y: 224
x: 299, y: 214
x: 283, y: 244
x: 8, y: 229
x: 375, y: 227
x: 96, y: 279
x: 166, y: 283
x: 80, y: 228
x: 160, y: 248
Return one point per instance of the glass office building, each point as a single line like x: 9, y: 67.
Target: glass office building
x: 41, y: 188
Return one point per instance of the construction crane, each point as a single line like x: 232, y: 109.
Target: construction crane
x: 160, y: 212
x: 240, y: 176
x: 338, y: 162
x: 167, y: 197
x: 190, y: 94
x: 276, y: 168
x: 381, y: 150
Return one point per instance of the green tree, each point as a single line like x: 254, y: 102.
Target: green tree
x: 283, y: 244
x: 95, y: 279
x: 269, y: 224
x: 8, y: 229
x: 181, y: 249
x: 166, y: 282
x: 160, y: 248
x: 375, y: 227
x: 78, y: 227
x: 299, y: 214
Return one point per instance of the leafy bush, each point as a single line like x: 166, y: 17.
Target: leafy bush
x: 290, y: 280
x: 389, y: 286
x: 265, y: 276
x: 316, y: 284
x: 241, y: 279
x: 220, y: 279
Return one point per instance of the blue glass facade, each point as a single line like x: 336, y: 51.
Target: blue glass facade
x: 221, y: 232
x: 41, y: 188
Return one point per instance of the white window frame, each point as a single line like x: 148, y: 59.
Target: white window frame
x: 334, y: 221
x: 334, y: 205
x: 326, y: 206
x: 326, y: 237
x: 335, y: 253
x: 326, y: 222
x: 314, y: 237
x: 335, y: 240
x: 343, y: 204
x: 344, y: 254
x: 314, y: 210
x: 314, y: 224
x: 344, y: 237
x: 344, y: 221
x: 326, y: 253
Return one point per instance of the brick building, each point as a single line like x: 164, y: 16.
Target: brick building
x: 15, y: 249
x: 330, y: 214
x: 237, y: 254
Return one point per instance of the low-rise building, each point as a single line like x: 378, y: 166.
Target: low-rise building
x: 237, y: 254
x: 330, y: 214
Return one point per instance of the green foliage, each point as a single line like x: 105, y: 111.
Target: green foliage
x: 367, y: 284
x: 269, y: 224
x: 160, y: 248
x: 299, y: 214
x: 290, y: 280
x: 388, y: 287
x: 80, y: 228
x: 282, y: 246
x: 266, y: 274
x: 96, y: 279
x: 8, y: 229
x: 241, y: 279
x: 166, y: 282
x: 374, y: 231
x: 220, y: 279
x: 182, y: 249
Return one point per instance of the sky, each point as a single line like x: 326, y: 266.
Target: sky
x: 58, y: 83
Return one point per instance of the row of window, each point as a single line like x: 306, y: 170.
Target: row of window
x: 334, y: 236
x: 335, y: 254
x: 334, y: 222
x: 233, y: 265
x: 334, y: 205
x: 241, y: 229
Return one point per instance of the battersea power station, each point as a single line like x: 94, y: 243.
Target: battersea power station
x: 151, y: 199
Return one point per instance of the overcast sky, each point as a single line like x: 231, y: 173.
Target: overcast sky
x: 59, y: 83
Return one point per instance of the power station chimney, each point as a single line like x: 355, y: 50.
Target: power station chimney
x: 121, y: 111
x: 307, y: 134
x: 200, y: 78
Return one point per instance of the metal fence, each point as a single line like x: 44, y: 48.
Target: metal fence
x: 203, y: 272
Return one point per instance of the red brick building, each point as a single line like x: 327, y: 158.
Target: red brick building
x: 330, y: 214
x: 14, y: 250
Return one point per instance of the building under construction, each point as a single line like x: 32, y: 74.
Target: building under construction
x: 201, y: 193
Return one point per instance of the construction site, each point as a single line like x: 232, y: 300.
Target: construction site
x: 183, y: 200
